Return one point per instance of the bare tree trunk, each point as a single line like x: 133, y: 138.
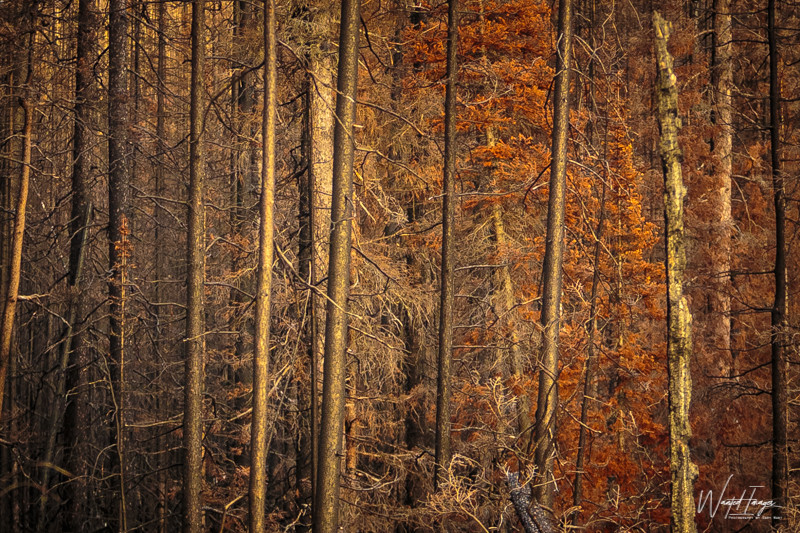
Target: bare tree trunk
x: 320, y: 172
x: 780, y: 455
x: 60, y: 396
x: 589, y: 384
x: 547, y: 403
x: 443, y: 449
x: 195, y: 324
x: 720, y: 193
x: 118, y: 229
x: 18, y: 232
x: 258, y: 465
x: 326, y: 503
x: 160, y: 251
x: 76, y: 416
x: 679, y: 319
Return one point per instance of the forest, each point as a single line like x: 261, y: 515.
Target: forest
x: 399, y: 266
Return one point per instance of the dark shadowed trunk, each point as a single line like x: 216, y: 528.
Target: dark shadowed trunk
x: 443, y: 449
x: 780, y: 456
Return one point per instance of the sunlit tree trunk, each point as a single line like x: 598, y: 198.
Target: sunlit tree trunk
x: 547, y: 403
x: 443, y: 449
x: 258, y: 446
x: 780, y: 456
x: 320, y: 172
x: 18, y: 231
x: 326, y: 502
x: 679, y: 319
x: 195, y: 277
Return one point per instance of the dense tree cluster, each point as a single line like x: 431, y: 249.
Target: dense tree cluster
x: 294, y: 265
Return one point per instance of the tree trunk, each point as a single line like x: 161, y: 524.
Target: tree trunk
x: 160, y: 247
x: 18, y: 232
x: 119, y: 205
x: 589, y: 384
x: 443, y: 447
x: 195, y: 277
x: 326, y: 503
x: 60, y: 395
x: 76, y: 416
x: 720, y: 195
x: 258, y: 465
x: 679, y: 319
x: 552, y: 268
x: 780, y: 456
x: 320, y: 172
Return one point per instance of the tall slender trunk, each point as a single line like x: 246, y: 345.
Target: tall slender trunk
x: 443, y: 448
x: 195, y: 277
x: 6, y: 205
x: 589, y: 384
x: 76, y: 415
x: 258, y: 465
x: 119, y: 205
x: 160, y: 251
x: 326, y: 502
x: 780, y: 455
x: 547, y: 403
x: 720, y: 195
x: 18, y: 232
x: 679, y: 319
x: 320, y: 172
x: 60, y: 395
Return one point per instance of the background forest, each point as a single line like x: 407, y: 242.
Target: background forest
x: 134, y: 130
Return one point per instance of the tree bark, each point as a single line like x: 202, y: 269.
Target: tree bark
x: 320, y: 172
x: 160, y: 247
x: 326, y: 503
x: 195, y: 277
x: 679, y: 319
x: 780, y: 455
x: 547, y: 403
x: 443, y: 449
x: 119, y: 205
x: 720, y: 195
x: 76, y: 416
x: 18, y: 232
x: 258, y: 465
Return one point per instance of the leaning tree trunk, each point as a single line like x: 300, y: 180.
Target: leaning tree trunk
x: 18, y: 232
x: 679, y: 319
x: 326, y: 502
x: 258, y: 446
x: 553, y: 263
x: 445, y: 357
x: 195, y: 334
x: 780, y: 455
